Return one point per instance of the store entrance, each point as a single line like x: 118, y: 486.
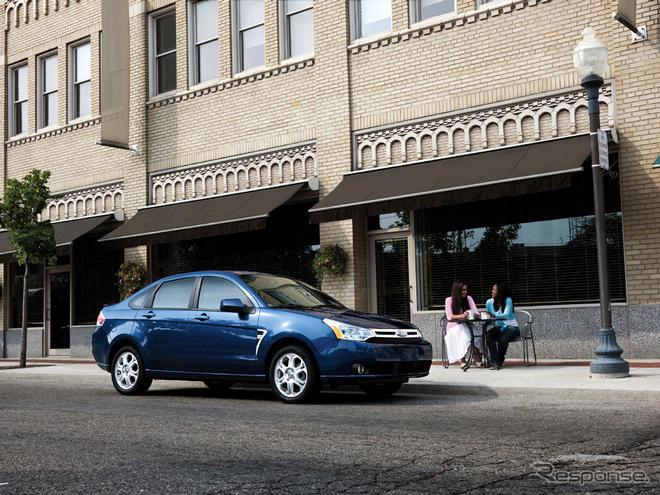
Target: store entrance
x: 390, y: 292
x: 58, y: 309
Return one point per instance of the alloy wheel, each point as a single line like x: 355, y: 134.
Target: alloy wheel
x: 127, y: 370
x: 291, y: 375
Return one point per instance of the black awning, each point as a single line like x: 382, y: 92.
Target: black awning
x: 204, y: 217
x: 477, y: 176
x: 66, y: 231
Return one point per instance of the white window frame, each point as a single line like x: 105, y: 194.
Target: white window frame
x: 153, y: 81
x: 236, y: 31
x: 41, y: 93
x: 193, y: 43
x: 355, y: 22
x: 416, y: 12
x: 73, y: 111
x: 12, y: 97
x: 285, y: 32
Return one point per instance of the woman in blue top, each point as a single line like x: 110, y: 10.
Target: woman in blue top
x: 504, y: 331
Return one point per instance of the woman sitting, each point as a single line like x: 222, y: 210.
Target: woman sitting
x: 459, y: 337
x: 504, y: 331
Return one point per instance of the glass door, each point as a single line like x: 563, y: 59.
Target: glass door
x: 58, y: 310
x: 390, y: 292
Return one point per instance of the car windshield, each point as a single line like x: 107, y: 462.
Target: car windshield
x: 282, y: 292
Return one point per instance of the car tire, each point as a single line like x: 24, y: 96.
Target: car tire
x: 380, y: 389
x: 293, y: 375
x: 218, y: 386
x: 128, y: 374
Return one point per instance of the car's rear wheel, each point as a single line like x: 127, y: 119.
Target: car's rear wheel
x: 380, y: 389
x: 128, y: 374
x: 293, y: 375
x: 218, y: 386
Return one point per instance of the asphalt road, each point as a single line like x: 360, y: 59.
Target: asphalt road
x: 62, y: 437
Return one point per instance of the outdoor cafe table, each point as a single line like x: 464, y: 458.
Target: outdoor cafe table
x: 471, y: 322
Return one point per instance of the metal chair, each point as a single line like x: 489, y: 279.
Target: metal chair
x: 443, y: 326
x: 525, y: 321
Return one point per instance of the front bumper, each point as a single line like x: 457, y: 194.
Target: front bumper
x: 380, y: 362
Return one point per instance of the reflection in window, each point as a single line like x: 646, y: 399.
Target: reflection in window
x: 163, y: 48
x: 215, y: 289
x: 542, y: 245
x: 174, y: 294
x: 371, y: 17
x: 425, y: 9
x: 298, y: 28
x: 398, y: 220
x: 249, y: 34
x: 81, y: 85
x: 205, y: 40
x: 18, y: 100
x: 47, y: 90
x: 35, y: 317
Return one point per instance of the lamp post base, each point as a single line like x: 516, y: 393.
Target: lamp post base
x: 608, y: 362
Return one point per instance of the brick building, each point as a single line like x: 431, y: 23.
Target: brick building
x: 261, y: 129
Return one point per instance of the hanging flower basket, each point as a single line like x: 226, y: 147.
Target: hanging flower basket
x: 330, y: 258
x: 131, y: 277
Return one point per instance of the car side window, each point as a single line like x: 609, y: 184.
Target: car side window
x: 174, y: 294
x: 215, y: 289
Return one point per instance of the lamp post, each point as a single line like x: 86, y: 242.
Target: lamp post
x: 590, y: 60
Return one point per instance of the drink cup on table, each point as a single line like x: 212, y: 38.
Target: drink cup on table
x: 470, y: 314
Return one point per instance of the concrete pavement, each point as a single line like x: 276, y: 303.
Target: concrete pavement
x: 563, y: 381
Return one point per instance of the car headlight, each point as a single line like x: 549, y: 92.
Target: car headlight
x: 344, y: 331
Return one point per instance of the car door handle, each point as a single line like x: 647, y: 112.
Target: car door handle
x: 202, y: 317
x: 150, y: 314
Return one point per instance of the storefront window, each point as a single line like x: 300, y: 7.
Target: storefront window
x: 542, y: 245
x: 35, y: 295
x: 398, y: 220
x: 285, y: 247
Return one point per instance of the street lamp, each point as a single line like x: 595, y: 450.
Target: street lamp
x: 590, y: 60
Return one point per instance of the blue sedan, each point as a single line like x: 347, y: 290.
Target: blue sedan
x: 228, y: 327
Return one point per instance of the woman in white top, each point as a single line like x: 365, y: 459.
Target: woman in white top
x: 458, y: 337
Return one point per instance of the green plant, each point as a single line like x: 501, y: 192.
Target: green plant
x: 131, y: 278
x: 330, y: 258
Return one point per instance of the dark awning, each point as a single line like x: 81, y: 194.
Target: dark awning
x: 223, y: 214
x: 66, y: 231
x: 477, y: 176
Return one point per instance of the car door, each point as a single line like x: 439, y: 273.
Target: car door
x: 222, y: 341
x: 165, y: 325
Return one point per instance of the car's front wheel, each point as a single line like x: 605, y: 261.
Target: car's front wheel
x: 293, y: 374
x: 380, y: 389
x: 128, y: 374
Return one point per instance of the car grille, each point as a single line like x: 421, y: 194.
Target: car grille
x: 396, y: 336
x: 395, y: 340
x: 398, y: 367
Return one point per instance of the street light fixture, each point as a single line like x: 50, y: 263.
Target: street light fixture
x: 590, y: 60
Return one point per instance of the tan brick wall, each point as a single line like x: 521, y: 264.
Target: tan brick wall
x: 504, y: 51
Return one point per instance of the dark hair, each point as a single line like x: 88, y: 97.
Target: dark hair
x: 458, y: 304
x: 503, y: 292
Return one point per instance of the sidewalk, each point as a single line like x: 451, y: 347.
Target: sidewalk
x: 568, y: 380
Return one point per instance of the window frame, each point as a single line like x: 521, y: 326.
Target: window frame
x: 416, y: 12
x: 285, y: 31
x: 153, y: 57
x: 41, y: 91
x: 73, y: 110
x: 193, y: 44
x: 236, y: 35
x: 12, y: 100
x: 194, y: 288
x: 356, y: 22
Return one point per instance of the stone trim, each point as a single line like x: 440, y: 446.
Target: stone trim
x: 235, y: 174
x: 12, y: 143
x: 85, y: 202
x: 13, y: 6
x: 443, y: 24
x: 230, y: 83
x: 368, y: 141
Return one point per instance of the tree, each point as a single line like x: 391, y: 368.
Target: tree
x: 34, y: 240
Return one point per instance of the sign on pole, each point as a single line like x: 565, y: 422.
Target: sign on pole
x: 603, y: 152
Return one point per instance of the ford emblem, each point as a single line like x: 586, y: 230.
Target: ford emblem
x: 402, y: 333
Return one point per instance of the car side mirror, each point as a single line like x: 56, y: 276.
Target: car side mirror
x: 234, y: 306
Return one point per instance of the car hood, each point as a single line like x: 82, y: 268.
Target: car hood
x: 351, y: 317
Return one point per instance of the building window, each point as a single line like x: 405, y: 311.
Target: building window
x: 370, y: 17
x: 249, y: 34
x: 297, y: 28
x: 163, y: 53
x: 35, y: 317
x: 47, y: 90
x: 18, y: 101
x: 484, y: 2
x: 80, y: 71
x: 204, y: 40
x: 542, y: 245
x: 421, y: 10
